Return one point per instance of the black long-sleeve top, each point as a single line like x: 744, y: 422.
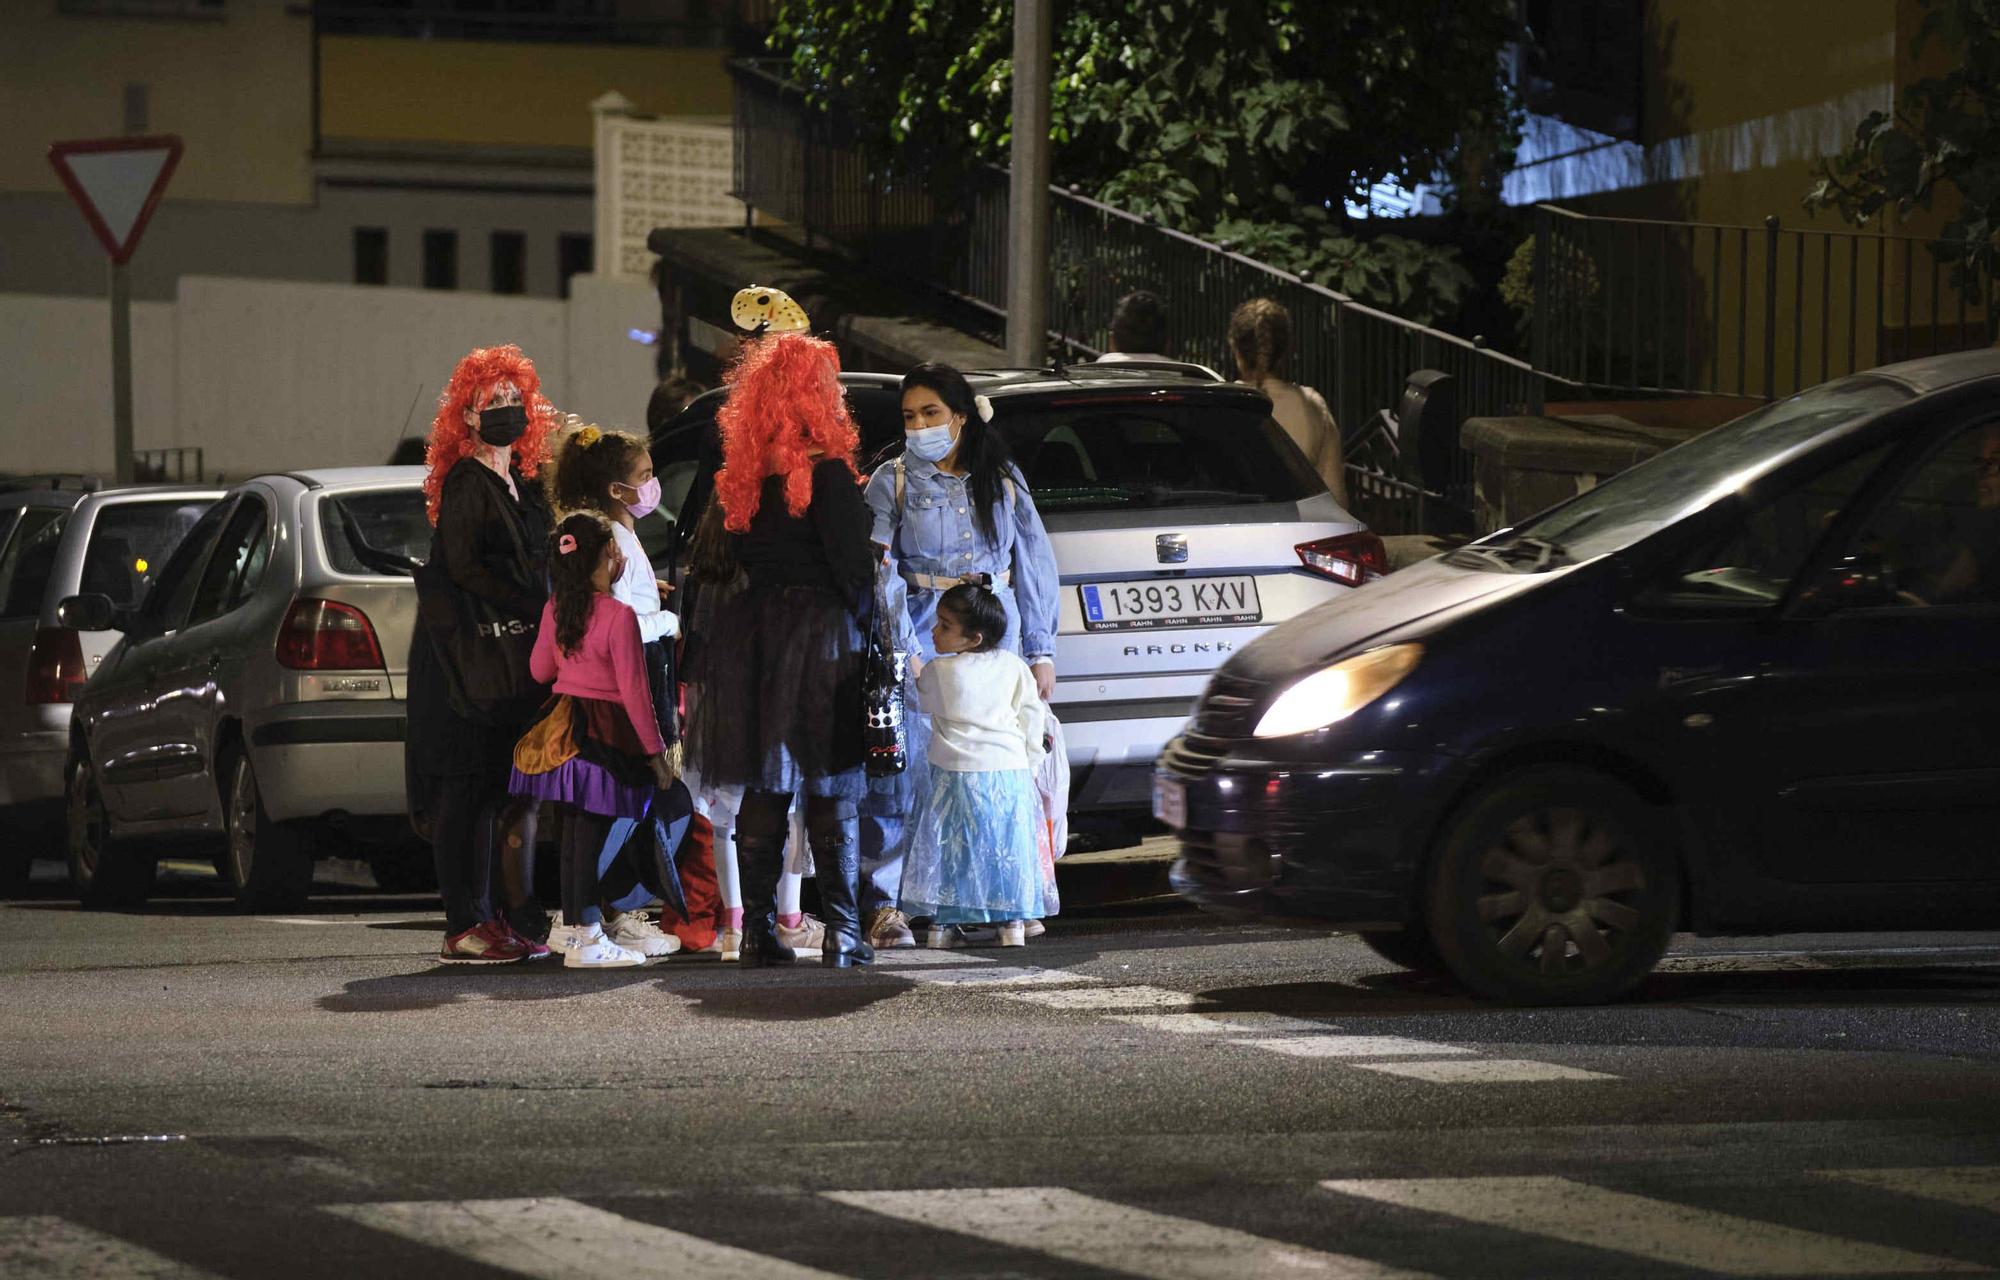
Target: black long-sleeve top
x: 475, y: 513
x: 826, y: 547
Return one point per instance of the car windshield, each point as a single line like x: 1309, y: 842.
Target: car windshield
x: 379, y: 531
x: 1099, y: 457
x: 130, y: 543
x: 1682, y: 480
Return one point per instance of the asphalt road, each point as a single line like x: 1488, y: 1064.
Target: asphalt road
x: 1145, y: 1091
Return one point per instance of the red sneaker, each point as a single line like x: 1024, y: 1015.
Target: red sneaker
x: 484, y: 943
x: 531, y: 950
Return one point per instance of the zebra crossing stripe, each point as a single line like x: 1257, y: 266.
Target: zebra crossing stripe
x: 1971, y: 1186
x: 1484, y: 1071
x: 1133, y: 997
x: 1352, y: 1047
x: 52, y: 1248
x: 1100, y: 1233
x: 1579, y: 1213
x: 993, y: 975
x: 1221, y: 1024
x: 558, y: 1239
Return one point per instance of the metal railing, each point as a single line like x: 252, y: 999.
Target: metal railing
x: 1690, y: 307
x: 182, y: 465
x: 797, y: 164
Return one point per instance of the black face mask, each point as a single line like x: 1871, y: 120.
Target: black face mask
x: 503, y: 424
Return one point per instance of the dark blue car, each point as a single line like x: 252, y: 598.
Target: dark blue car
x: 1749, y: 686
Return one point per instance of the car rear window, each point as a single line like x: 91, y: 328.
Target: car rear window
x: 374, y: 532
x: 130, y: 543
x: 1097, y: 458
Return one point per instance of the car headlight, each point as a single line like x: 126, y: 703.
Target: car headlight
x: 1337, y: 692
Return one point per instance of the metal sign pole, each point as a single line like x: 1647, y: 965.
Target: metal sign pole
x: 1028, y: 190
x: 121, y: 371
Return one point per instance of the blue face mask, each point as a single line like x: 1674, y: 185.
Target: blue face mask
x: 929, y: 443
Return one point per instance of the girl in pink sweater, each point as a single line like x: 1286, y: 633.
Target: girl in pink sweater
x: 598, y: 749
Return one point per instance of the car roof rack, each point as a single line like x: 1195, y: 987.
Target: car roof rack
x: 1187, y: 367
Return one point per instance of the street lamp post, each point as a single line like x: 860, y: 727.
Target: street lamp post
x: 1028, y: 187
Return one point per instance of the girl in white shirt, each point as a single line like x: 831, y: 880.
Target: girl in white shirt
x: 974, y: 866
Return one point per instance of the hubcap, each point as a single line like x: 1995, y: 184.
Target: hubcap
x: 86, y: 821
x: 1559, y: 885
x: 243, y: 822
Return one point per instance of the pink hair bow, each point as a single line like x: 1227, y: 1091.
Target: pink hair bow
x: 566, y: 543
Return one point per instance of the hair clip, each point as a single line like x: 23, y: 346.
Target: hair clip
x: 983, y: 407
x: 566, y: 544
x: 588, y: 436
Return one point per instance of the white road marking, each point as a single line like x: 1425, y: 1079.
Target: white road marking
x: 923, y: 957
x: 1136, y: 997
x: 1579, y: 1213
x: 52, y: 1248
x: 1100, y: 1233
x: 997, y: 975
x: 557, y: 1239
x: 1219, y: 1024
x: 1352, y: 1047
x: 1973, y: 1186
x: 1484, y: 1071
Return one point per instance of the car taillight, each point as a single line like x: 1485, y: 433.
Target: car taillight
x: 1350, y: 559
x: 55, y: 666
x: 326, y: 635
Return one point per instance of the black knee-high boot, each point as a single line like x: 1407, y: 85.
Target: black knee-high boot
x: 760, y: 860
x: 836, y: 848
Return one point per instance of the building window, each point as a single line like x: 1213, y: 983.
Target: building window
x: 510, y: 262
x: 371, y: 255
x: 572, y: 257
x: 440, y: 259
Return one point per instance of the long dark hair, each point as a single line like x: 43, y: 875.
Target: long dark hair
x: 570, y: 571
x: 981, y: 450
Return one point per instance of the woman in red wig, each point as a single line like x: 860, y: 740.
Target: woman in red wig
x: 489, y: 439
x: 780, y: 709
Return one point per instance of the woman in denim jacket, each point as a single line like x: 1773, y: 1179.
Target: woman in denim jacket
x: 952, y: 508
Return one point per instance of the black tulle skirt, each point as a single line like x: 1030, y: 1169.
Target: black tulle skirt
x: 775, y: 677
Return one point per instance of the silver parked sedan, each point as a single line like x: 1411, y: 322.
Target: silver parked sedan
x: 257, y: 695
x: 55, y: 543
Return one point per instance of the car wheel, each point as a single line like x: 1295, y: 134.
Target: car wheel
x: 268, y: 866
x: 1409, y: 948
x: 1553, y: 886
x: 103, y: 872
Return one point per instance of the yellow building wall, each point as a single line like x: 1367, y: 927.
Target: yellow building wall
x: 493, y: 93
x: 238, y: 89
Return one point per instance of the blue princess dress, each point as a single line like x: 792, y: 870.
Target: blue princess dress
x: 974, y: 855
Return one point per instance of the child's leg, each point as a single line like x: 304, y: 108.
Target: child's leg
x: 584, y: 837
x: 728, y: 876
x: 798, y: 861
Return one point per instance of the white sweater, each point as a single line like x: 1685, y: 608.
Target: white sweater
x: 985, y: 712
x: 638, y: 588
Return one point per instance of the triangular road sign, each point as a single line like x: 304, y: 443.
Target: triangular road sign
x: 117, y: 182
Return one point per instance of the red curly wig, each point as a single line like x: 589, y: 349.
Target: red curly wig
x: 784, y: 412
x: 471, y: 384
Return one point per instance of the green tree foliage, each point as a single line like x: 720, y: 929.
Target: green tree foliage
x: 1251, y: 121
x: 1943, y: 136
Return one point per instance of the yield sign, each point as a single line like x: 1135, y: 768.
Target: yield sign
x: 117, y: 182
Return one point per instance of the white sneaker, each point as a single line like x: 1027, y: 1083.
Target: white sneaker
x: 1013, y: 933
x: 591, y: 950
x: 562, y: 937
x: 950, y: 936
x: 1035, y: 929
x: 809, y: 936
x: 636, y: 933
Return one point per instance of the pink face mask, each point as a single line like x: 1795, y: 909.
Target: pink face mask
x: 645, y: 500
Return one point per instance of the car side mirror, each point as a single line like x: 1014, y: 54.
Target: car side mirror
x: 92, y: 612
x: 1863, y: 580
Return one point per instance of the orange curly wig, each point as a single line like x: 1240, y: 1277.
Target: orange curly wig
x: 472, y: 382
x: 784, y: 412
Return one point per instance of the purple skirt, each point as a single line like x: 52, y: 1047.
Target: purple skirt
x: 590, y: 787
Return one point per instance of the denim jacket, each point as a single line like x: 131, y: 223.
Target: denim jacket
x: 935, y: 533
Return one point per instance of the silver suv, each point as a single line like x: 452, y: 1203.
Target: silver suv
x: 54, y: 543
x: 1185, y: 525
x: 257, y: 694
